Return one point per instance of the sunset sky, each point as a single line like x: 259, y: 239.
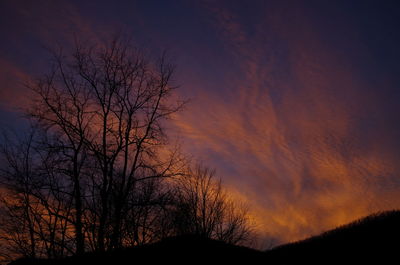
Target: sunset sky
x: 294, y: 103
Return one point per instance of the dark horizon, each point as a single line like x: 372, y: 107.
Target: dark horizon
x: 295, y: 104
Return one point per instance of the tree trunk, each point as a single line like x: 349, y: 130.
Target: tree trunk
x: 79, y: 236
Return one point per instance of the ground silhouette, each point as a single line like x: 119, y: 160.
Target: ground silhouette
x: 175, y: 250
x: 373, y: 239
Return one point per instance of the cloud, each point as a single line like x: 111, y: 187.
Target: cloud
x: 13, y: 94
x: 284, y: 106
x: 288, y: 135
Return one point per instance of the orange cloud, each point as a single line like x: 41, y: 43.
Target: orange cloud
x: 289, y: 130
x: 285, y: 136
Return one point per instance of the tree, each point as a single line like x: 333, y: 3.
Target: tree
x: 17, y: 217
x: 100, y: 113
x: 203, y: 208
x: 98, y: 171
x: 31, y: 206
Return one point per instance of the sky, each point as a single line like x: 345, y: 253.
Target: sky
x: 294, y: 103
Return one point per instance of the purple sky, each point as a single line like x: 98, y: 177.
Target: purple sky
x: 294, y: 103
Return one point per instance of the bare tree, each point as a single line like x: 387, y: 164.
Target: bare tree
x: 99, y: 171
x: 203, y: 208
x: 106, y: 106
x: 17, y: 220
x: 60, y: 110
x: 31, y: 206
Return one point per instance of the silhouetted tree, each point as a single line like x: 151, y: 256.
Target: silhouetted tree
x: 203, y: 208
x: 97, y: 171
x: 99, y: 115
x: 17, y: 216
x: 34, y: 213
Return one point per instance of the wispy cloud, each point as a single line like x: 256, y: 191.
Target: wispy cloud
x: 291, y: 122
x: 287, y: 134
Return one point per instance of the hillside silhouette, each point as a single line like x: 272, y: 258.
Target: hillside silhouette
x: 175, y: 250
x: 373, y: 239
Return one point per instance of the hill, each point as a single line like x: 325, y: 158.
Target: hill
x: 373, y: 239
x: 177, y: 250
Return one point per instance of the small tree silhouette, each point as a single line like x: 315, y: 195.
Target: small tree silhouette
x: 203, y: 208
